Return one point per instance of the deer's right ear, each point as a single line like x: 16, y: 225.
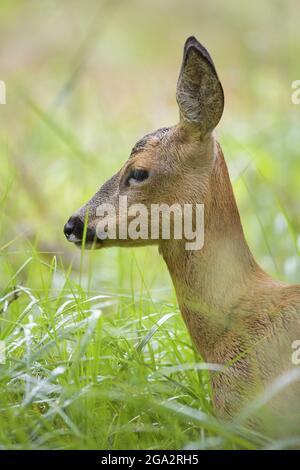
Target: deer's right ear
x: 199, y: 93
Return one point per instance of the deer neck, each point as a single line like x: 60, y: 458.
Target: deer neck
x: 209, y: 282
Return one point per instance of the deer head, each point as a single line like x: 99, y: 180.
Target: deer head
x: 167, y: 166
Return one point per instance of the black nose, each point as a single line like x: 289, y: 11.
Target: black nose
x: 68, y: 228
x: 74, y: 226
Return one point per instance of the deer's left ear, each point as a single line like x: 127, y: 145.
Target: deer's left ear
x: 199, y: 93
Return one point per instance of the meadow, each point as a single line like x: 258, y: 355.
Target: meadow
x: 97, y: 354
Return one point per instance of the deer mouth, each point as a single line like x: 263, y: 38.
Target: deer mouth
x: 89, y: 245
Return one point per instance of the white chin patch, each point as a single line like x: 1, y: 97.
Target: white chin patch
x: 72, y: 238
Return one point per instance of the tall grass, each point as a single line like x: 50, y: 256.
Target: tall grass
x: 98, y: 370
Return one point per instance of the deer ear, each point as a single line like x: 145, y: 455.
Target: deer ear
x: 199, y: 92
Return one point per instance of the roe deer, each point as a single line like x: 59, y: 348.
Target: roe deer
x: 235, y: 313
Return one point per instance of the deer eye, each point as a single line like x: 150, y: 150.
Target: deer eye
x: 136, y: 176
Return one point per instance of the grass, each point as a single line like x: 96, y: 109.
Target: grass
x: 105, y: 370
x: 97, y: 355
x: 97, y: 371
x: 102, y: 370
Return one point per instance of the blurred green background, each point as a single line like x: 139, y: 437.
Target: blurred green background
x: 85, y: 80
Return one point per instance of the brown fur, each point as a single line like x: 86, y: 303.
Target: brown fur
x: 230, y: 306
